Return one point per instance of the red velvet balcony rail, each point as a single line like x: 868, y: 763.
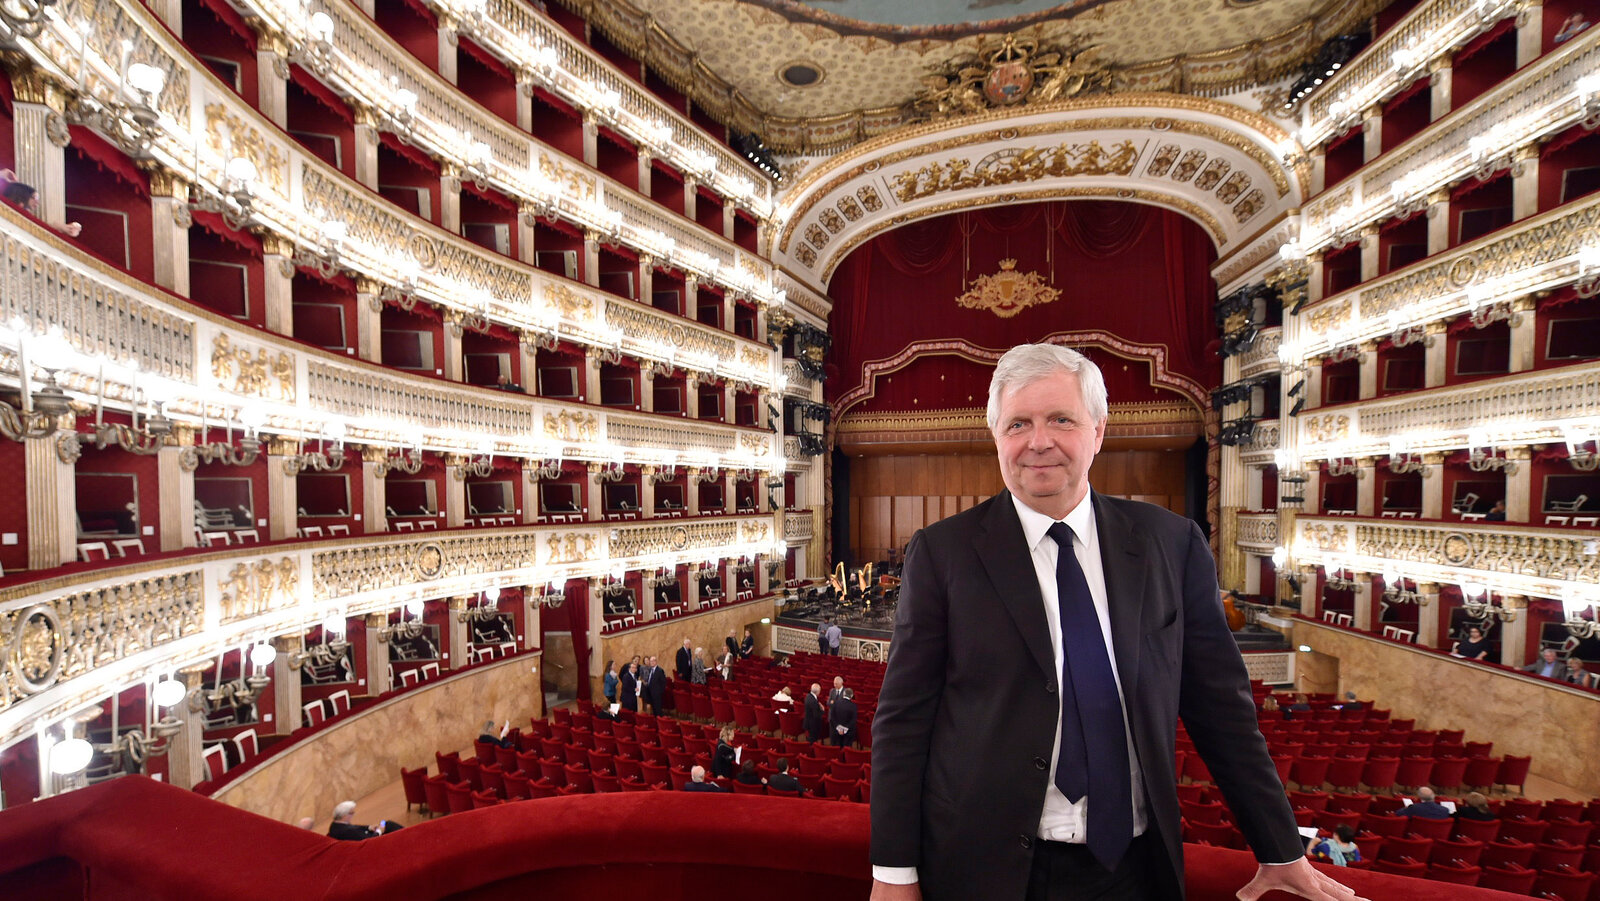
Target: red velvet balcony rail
x: 132, y: 838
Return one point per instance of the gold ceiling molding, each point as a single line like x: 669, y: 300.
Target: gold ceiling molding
x: 1123, y: 102
x: 693, y: 46
x: 1180, y: 204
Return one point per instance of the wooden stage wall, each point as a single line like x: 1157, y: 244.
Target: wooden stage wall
x: 892, y: 496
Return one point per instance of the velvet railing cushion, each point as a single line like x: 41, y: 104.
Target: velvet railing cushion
x: 135, y: 838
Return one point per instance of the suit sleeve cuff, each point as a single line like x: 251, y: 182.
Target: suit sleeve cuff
x: 895, y: 875
x: 1268, y: 863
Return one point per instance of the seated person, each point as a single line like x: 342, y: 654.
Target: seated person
x: 698, y: 783
x: 782, y: 781
x: 1576, y: 674
x: 1474, y: 647
x: 504, y: 383
x: 26, y: 198
x: 500, y: 740
x: 344, y: 828
x: 1475, y: 807
x: 1338, y: 849
x: 1570, y: 28
x: 1425, y: 807
x: 1548, y: 665
x: 1497, y: 513
x: 748, y: 775
x: 783, y: 699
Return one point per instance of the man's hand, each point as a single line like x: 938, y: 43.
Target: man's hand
x: 885, y: 891
x: 1298, y: 878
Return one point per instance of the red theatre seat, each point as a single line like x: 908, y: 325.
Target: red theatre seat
x: 412, y: 781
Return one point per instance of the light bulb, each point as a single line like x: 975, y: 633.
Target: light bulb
x: 168, y: 692
x: 70, y: 756
x: 146, y: 79
x: 263, y: 655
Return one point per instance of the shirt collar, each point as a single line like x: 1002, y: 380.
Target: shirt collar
x: 1035, y: 525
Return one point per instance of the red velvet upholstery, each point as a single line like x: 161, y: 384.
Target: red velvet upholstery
x: 134, y: 838
x: 412, y: 781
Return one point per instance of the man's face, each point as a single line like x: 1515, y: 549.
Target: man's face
x: 1549, y: 655
x: 1046, y: 442
x: 838, y: 681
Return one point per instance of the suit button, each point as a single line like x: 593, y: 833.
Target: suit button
x: 1026, y: 842
x: 1039, y: 763
x: 1050, y: 687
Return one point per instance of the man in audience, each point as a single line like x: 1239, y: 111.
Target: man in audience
x: 1548, y: 665
x: 842, y: 717
x: 782, y: 781
x: 1350, y: 702
x: 344, y: 828
x: 1497, y: 513
x: 816, y: 722
x: 1425, y: 806
x: 655, y: 686
x: 838, y: 690
x: 747, y: 646
x: 685, y: 661
x: 489, y: 736
x: 698, y: 783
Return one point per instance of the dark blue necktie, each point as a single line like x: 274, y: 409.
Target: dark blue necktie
x: 1094, y: 741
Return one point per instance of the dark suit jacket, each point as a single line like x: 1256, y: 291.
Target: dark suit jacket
x: 842, y: 713
x: 350, y: 832
x: 816, y: 721
x: 703, y: 787
x: 784, y: 782
x: 685, y: 663
x: 628, y: 691
x: 656, y: 688
x: 967, y: 714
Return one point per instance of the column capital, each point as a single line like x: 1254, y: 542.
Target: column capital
x: 276, y: 245
x: 34, y: 85
x: 166, y: 183
x: 279, y: 446
x: 1442, y: 62
x: 458, y: 602
x: 367, y: 285
x: 287, y: 644
x: 1433, y: 458
x: 1522, y: 452
x: 1514, y: 601
x: 377, y: 620
x: 365, y: 115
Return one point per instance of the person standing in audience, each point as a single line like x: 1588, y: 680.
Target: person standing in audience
x: 1425, y: 806
x: 834, y: 636
x: 697, y: 667
x: 842, y: 718
x: 608, y: 685
x: 724, y: 758
x: 1046, y: 643
x: 1548, y: 665
x: 1475, y: 807
x: 698, y: 783
x: 1576, y: 674
x: 684, y: 658
x: 747, y: 646
x: 816, y: 719
x: 628, y: 688
x: 838, y: 690
x: 731, y: 644
x: 1474, y: 646
x: 655, y: 687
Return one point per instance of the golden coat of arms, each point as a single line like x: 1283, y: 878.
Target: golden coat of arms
x: 1007, y: 292
x: 1019, y: 71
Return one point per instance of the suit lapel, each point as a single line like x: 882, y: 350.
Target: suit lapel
x: 1008, y: 561
x: 1122, y: 552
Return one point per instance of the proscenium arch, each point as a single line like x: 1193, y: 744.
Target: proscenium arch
x: 1213, y: 162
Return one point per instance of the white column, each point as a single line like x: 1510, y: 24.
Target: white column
x: 526, y: 233
x: 374, y: 490
x: 377, y: 651
x: 369, y: 320
x: 366, y: 146
x: 455, y: 491
x: 1367, y: 372
x: 447, y: 48
x: 1530, y: 31
x: 1370, y: 250
x: 1363, y: 602
x: 283, y: 516
x: 169, y: 231
x: 1514, y: 633
x: 1371, y: 133
x: 1438, y: 221
x: 52, y: 499
x: 691, y: 196
x: 40, y: 135
x: 1366, y: 486
x: 176, y: 485
x: 591, y: 258
x: 277, y: 274
x: 285, y: 685
x: 1433, y: 486
x: 1524, y: 333
x: 1525, y: 182
x: 525, y: 83
x: 1439, y: 89
x: 1435, y: 354
x: 1428, y: 615
x: 186, y: 765
x: 533, y: 625
x: 1519, y: 485
x: 591, y: 140
x: 450, y: 198
x: 644, y: 172
x: 591, y: 376
x: 460, y: 652
x: 454, y: 365
x: 272, y: 76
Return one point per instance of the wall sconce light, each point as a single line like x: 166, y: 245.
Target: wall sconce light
x: 409, y: 626
x: 1477, y: 603
x: 406, y: 461
x: 1481, y: 455
x: 236, y: 206
x: 1582, y: 448
x: 486, y: 609
x: 325, y: 258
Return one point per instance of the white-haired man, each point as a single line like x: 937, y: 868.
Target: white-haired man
x: 1046, y: 643
x: 344, y: 827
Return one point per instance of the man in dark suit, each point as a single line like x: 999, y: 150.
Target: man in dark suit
x: 842, y: 719
x: 781, y: 780
x: 685, y: 661
x: 1046, y: 643
x: 344, y: 827
x: 697, y: 782
x: 655, y: 686
x: 816, y: 720
x: 628, y: 687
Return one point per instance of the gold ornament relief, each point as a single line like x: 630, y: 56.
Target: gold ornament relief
x: 1008, y: 292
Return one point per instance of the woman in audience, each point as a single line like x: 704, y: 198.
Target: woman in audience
x: 1474, y: 646
x: 609, y: 687
x: 1474, y: 807
x: 783, y: 699
x: 1576, y: 674
x: 722, y: 761
x: 628, y: 695
x: 748, y: 774
x: 1339, y: 849
x: 697, y: 667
